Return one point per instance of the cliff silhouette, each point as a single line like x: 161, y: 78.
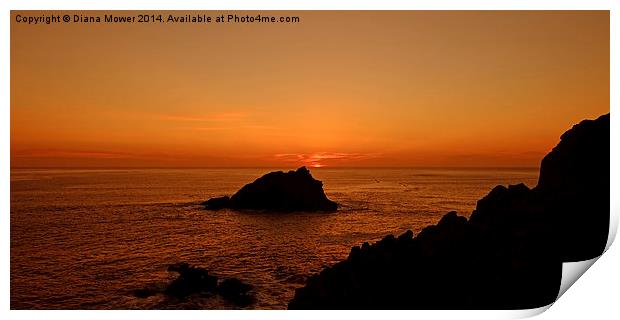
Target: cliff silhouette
x: 507, y: 255
x: 278, y: 191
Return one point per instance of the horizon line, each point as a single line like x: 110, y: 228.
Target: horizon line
x: 269, y: 167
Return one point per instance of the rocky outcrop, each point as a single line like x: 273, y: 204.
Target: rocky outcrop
x: 217, y: 203
x: 278, y: 191
x: 196, y: 280
x: 236, y: 291
x: 191, y: 280
x: 574, y: 182
x: 508, y: 255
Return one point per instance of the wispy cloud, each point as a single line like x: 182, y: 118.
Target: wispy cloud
x: 129, y: 157
x: 73, y: 154
x: 320, y: 159
x: 234, y: 127
x: 220, y: 121
x: 211, y: 117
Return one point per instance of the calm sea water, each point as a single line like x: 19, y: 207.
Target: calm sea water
x: 87, y: 239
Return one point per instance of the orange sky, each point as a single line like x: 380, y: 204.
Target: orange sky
x: 337, y: 89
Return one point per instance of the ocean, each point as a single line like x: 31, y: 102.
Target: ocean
x: 87, y: 239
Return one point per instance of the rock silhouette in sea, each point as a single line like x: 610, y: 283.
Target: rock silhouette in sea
x: 507, y: 255
x: 278, y: 191
x: 236, y: 291
x: 191, y: 280
x: 195, y: 280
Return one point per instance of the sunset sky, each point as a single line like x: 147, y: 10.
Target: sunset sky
x: 336, y: 89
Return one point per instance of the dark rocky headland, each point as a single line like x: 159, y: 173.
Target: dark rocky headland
x: 507, y: 255
x: 278, y: 191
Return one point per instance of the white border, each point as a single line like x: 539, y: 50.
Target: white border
x: 313, y: 5
x: 595, y: 294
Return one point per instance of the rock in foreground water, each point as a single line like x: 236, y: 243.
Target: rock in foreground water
x: 196, y: 280
x: 236, y: 291
x: 278, y: 191
x: 191, y: 280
